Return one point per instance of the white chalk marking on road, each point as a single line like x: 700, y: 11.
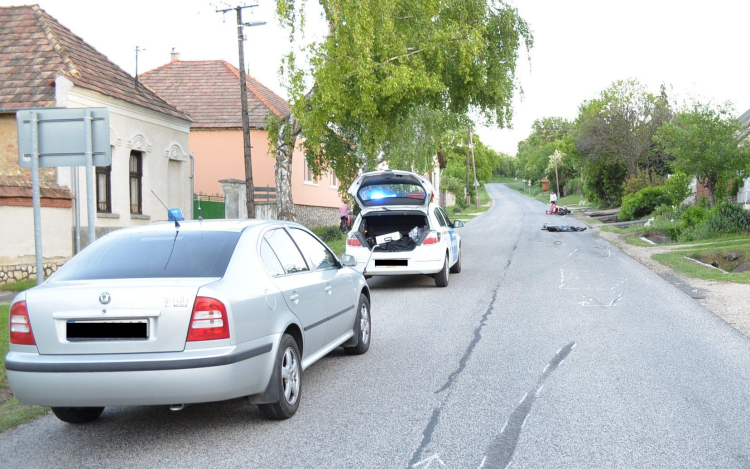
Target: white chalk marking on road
x: 609, y: 253
x: 574, y: 251
x: 523, y: 398
x: 546, y: 368
x: 524, y: 420
x: 482, y: 463
x: 558, y: 350
x: 575, y: 344
x: 428, y: 461
x: 616, y: 300
x: 504, y: 425
x: 539, y: 390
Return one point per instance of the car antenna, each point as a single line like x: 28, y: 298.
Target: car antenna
x: 176, y: 223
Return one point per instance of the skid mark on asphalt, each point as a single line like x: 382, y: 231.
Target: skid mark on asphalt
x: 500, y: 452
x: 444, y: 390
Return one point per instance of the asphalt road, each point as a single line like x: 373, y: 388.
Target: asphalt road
x: 548, y: 350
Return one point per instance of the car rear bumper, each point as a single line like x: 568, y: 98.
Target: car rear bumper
x: 414, y: 266
x: 192, y: 376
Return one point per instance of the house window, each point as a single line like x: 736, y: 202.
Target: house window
x: 136, y: 182
x: 334, y: 181
x: 309, y: 176
x: 104, y: 189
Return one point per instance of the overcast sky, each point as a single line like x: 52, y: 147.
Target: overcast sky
x: 581, y: 46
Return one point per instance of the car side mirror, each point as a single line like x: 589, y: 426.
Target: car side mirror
x: 347, y: 260
x: 458, y: 224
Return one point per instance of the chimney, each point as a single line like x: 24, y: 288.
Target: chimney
x: 175, y: 55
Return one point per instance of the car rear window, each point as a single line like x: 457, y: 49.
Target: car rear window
x: 153, y: 255
x: 392, y: 194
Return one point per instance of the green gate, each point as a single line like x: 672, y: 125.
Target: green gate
x: 210, y: 207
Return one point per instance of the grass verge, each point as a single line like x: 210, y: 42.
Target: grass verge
x: 469, y: 213
x: 677, y: 261
x: 535, y: 192
x: 12, y: 412
x: 338, y: 246
x: 19, y: 286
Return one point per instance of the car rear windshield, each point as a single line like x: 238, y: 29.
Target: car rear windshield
x: 153, y: 255
x: 392, y: 194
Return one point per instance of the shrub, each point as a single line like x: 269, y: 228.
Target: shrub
x: 677, y: 188
x: 640, y: 180
x: 694, y: 215
x: 573, y: 186
x: 643, y: 202
x: 456, y: 209
x: 331, y: 233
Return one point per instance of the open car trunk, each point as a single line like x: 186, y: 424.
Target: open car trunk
x: 375, y: 224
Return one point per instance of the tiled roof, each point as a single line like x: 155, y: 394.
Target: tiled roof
x: 35, y: 49
x: 208, y: 91
x: 15, y: 188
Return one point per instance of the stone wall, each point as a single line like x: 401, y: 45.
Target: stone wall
x: 17, y: 272
x: 314, y: 217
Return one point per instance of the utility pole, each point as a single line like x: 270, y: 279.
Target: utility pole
x: 555, y: 156
x: 468, y: 150
x: 474, y: 165
x: 250, y: 192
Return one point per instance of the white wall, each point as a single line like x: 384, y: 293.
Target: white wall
x: 163, y: 141
x: 17, y: 234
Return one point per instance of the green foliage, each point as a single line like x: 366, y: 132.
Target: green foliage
x: 391, y: 74
x: 454, y: 150
x: 678, y: 188
x: 643, y: 202
x: 703, y: 141
x: 640, y: 180
x: 602, y: 181
x: 330, y: 233
x: 694, y: 216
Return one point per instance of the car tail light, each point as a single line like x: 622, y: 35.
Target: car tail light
x: 209, y: 320
x: 353, y: 241
x: 432, y: 238
x: 20, y: 326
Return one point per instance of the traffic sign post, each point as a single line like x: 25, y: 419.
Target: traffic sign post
x: 59, y: 137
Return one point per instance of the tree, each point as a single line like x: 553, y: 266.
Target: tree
x: 383, y: 64
x: 616, y: 131
x: 547, y: 135
x: 454, y: 149
x: 703, y: 139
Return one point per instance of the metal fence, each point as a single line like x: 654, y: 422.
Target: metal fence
x: 210, y: 207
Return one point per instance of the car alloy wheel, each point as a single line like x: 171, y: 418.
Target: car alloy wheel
x: 290, y: 376
x: 364, y: 323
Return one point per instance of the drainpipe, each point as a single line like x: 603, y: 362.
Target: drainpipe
x: 192, y: 184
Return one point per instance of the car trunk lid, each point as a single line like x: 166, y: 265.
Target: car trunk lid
x: 126, y: 315
x: 391, y: 190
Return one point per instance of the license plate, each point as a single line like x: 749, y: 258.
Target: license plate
x: 391, y: 263
x: 135, y: 329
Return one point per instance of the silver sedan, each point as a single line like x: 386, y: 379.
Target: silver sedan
x: 169, y: 314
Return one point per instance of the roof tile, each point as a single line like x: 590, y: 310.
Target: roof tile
x: 36, y: 49
x: 208, y: 91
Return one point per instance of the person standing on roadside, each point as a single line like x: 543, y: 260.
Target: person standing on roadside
x: 552, y: 201
x: 344, y: 213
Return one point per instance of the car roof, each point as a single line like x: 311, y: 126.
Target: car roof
x: 204, y: 225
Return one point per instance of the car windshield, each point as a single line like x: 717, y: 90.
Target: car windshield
x: 392, y: 194
x: 153, y: 255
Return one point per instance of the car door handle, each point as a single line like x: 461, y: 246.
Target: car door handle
x: 328, y: 289
x: 294, y: 298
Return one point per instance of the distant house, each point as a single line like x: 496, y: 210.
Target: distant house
x: 209, y: 91
x: 43, y: 64
x: 743, y: 196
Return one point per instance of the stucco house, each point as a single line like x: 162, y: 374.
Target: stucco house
x: 209, y: 91
x: 43, y: 64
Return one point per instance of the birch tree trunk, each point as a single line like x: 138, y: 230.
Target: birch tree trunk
x: 288, y: 133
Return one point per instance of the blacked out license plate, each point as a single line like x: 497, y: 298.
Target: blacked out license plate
x: 107, y: 330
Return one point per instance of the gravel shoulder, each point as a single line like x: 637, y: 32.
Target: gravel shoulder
x: 726, y: 300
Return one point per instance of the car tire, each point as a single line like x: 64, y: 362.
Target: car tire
x: 289, y: 368
x: 441, y: 278
x: 363, y: 327
x: 77, y: 415
x: 456, y: 269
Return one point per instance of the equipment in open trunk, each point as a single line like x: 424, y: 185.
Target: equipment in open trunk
x: 413, y: 226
